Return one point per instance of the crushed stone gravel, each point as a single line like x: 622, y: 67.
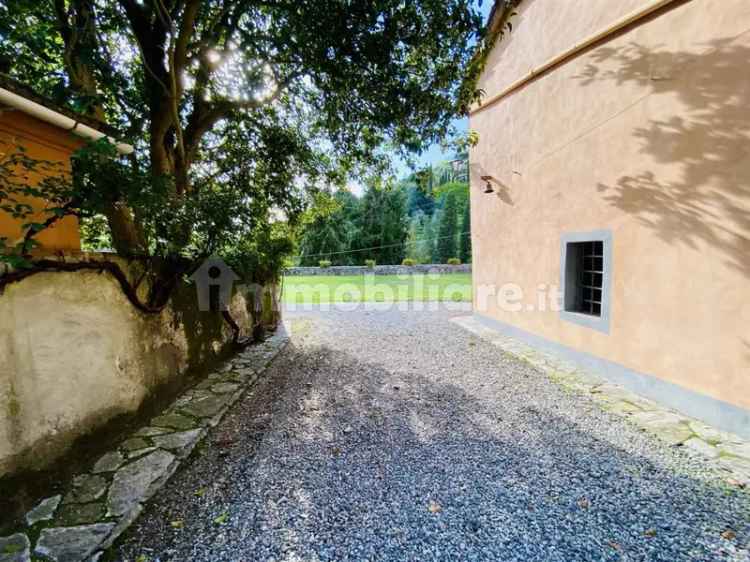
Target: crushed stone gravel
x: 388, y: 435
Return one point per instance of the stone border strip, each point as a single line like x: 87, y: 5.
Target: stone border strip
x: 725, y: 451
x: 102, y: 503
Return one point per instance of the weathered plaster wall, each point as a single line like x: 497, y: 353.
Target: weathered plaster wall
x: 553, y: 27
x: 646, y: 135
x: 75, y: 354
x: 45, y: 143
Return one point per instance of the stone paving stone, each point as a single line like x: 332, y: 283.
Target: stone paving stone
x: 174, y: 421
x: 621, y: 407
x: 702, y: 447
x: 151, y: 431
x: 43, y: 511
x: 205, y: 406
x: 134, y: 444
x: 238, y: 378
x: 123, y: 523
x: 72, y: 544
x: 713, y: 435
x: 205, y: 384
x: 739, y: 467
x: 658, y: 418
x: 139, y: 453
x: 225, y: 388
x: 77, y: 514
x: 736, y: 450
x: 108, y: 462
x: 187, y: 398
x: 181, y: 443
x: 15, y: 548
x: 132, y: 483
x: 664, y: 427
x: 86, y: 488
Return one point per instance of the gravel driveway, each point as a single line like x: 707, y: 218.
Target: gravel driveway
x: 398, y: 436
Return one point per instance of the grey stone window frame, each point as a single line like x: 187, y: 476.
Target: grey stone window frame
x: 601, y: 322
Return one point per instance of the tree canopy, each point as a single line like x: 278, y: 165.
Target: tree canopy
x: 238, y: 108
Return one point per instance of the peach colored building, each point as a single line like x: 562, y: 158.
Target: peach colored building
x: 47, y: 134
x: 616, y: 138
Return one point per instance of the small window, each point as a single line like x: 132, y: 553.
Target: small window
x: 585, y: 274
x: 585, y: 261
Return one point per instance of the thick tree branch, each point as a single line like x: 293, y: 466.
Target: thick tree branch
x: 112, y: 268
x: 185, y: 32
x: 201, y: 123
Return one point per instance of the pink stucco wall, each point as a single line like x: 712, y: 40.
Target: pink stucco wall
x: 647, y: 135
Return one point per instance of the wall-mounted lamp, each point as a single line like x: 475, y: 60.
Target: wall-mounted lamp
x: 488, y: 187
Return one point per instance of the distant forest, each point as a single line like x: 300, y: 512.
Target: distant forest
x: 424, y: 218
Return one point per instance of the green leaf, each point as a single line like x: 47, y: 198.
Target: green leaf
x: 221, y: 519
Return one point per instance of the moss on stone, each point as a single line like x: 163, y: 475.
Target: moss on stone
x: 14, y: 405
x: 78, y: 514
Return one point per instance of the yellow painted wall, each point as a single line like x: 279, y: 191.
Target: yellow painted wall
x: 647, y: 135
x: 46, y: 142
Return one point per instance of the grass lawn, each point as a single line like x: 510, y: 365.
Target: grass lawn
x: 319, y: 289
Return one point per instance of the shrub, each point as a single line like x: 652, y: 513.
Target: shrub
x: 370, y: 263
x: 454, y: 261
x: 409, y: 262
x: 324, y: 264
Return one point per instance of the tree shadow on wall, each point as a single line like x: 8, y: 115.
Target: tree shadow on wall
x: 707, y: 203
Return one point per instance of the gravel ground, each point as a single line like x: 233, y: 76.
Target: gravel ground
x: 398, y: 436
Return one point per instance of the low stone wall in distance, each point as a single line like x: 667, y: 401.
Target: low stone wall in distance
x: 434, y: 268
x: 75, y: 354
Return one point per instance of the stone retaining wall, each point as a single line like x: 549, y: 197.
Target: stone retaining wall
x: 75, y: 354
x: 435, y: 268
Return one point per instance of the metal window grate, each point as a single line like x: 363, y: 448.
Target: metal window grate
x: 586, y: 263
x: 592, y: 276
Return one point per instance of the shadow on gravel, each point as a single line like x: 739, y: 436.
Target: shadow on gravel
x: 352, y: 461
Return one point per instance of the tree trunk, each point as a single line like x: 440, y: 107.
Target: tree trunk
x: 77, y: 26
x: 127, y: 236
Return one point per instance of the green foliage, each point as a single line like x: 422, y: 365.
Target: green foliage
x: 95, y: 234
x: 408, y: 262
x: 453, y: 261
x: 469, y: 93
x: 464, y: 251
x: 326, y: 229
x: 418, y: 200
x: 226, y: 101
x: 261, y: 255
x: 324, y: 264
x: 380, y: 227
x: 420, y: 240
x: 459, y: 191
x: 370, y: 264
x: 446, y: 243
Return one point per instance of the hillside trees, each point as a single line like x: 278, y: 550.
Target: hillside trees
x: 328, y: 231
x: 464, y: 251
x: 447, y: 230
x: 381, y: 226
